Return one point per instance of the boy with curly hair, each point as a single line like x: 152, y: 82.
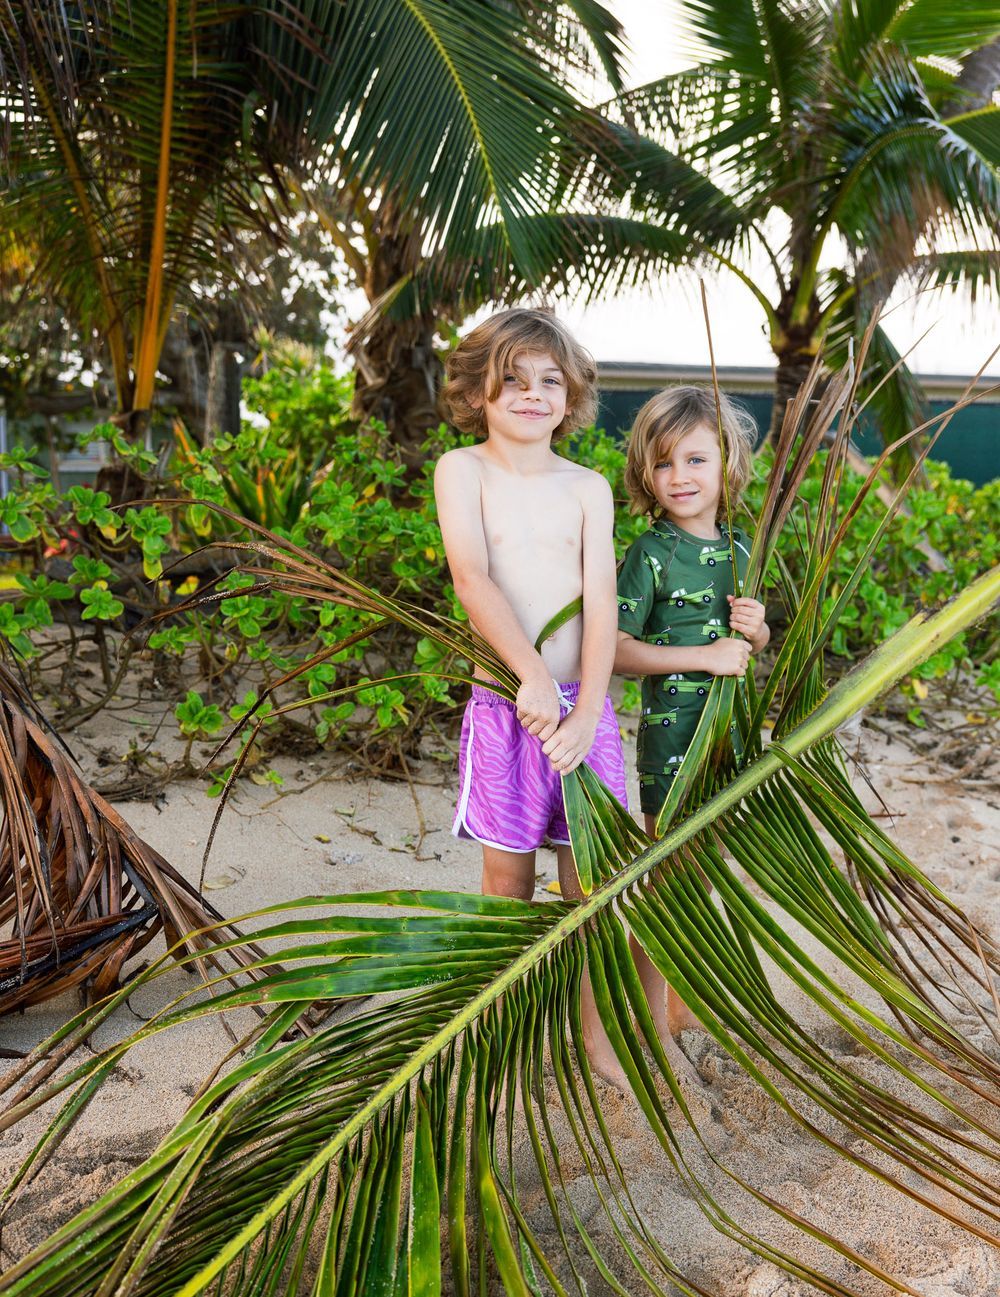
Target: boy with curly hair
x: 526, y: 532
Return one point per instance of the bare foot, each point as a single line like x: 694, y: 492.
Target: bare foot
x: 679, y: 1016
x: 604, y: 1061
x: 663, y: 1008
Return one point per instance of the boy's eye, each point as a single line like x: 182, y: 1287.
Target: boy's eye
x: 554, y: 381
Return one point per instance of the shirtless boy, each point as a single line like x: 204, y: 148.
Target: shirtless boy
x: 525, y: 532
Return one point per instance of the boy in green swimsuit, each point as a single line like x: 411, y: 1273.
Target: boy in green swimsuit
x: 675, y: 596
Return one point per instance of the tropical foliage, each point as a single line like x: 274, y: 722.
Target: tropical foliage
x: 358, y: 1158
x: 83, y: 571
x: 804, y: 129
x: 142, y: 141
x: 832, y: 142
x: 825, y: 123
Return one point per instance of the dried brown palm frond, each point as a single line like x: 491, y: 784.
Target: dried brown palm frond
x: 80, y: 891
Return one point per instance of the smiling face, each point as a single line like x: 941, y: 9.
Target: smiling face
x: 687, y: 481
x: 531, y: 403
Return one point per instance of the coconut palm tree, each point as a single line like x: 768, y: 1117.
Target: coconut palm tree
x: 141, y: 137
x: 377, y: 1154
x: 837, y: 126
x: 839, y: 141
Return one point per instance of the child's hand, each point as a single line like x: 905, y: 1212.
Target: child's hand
x: 727, y: 657
x: 538, y: 707
x: 571, y: 742
x: 746, y: 616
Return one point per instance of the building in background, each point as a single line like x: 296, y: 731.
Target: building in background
x: 969, y: 445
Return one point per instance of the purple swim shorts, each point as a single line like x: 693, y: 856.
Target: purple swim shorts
x: 509, y: 794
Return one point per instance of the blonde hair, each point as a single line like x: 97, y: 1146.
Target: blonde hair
x: 475, y: 369
x: 671, y: 415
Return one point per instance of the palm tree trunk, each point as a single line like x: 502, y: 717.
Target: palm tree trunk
x: 397, y: 379
x: 795, y: 358
x: 398, y: 372
x: 977, y: 81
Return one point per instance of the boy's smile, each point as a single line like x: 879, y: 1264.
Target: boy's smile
x: 687, y: 482
x: 531, y: 403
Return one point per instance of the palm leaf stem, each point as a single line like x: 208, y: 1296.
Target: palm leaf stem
x: 726, y: 494
x: 73, y: 162
x: 155, y: 309
x: 809, y: 596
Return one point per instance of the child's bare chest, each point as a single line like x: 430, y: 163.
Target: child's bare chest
x: 526, y: 520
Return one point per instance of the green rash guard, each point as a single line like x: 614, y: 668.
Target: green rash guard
x: 672, y: 589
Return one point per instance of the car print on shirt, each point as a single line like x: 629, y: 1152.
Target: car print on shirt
x: 711, y: 555
x: 673, y: 764
x: 678, y: 684
x: 659, y: 638
x: 713, y: 628
x: 655, y: 566
x: 665, y: 719
x: 627, y: 605
x: 681, y: 597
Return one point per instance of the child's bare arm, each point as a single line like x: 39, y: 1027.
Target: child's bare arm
x: 574, y: 738
x: 722, y: 657
x: 457, y: 492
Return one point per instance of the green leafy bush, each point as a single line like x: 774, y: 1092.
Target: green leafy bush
x: 944, y: 539
x: 313, y: 476
x: 50, y: 532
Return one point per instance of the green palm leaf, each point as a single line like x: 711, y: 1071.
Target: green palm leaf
x: 936, y: 27
x: 326, y: 1119
x: 829, y: 114
x: 981, y: 129
x: 141, y: 138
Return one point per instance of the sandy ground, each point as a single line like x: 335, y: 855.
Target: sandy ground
x: 326, y: 834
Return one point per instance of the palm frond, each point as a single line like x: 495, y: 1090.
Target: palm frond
x: 980, y: 129
x: 974, y: 271
x: 140, y: 138
x: 316, y: 1129
x: 928, y: 27
x: 722, y: 119
x: 444, y: 107
x: 857, y: 28
x: 906, y: 174
x: 777, y: 42
x: 895, y: 399
x: 80, y: 892
x: 586, y: 254
x: 593, y: 38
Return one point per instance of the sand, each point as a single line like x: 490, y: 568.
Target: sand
x: 325, y: 833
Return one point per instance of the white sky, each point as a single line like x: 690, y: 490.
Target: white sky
x: 665, y: 324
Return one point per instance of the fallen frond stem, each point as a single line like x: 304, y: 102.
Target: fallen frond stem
x: 81, y: 891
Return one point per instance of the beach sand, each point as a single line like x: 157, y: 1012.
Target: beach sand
x: 326, y: 834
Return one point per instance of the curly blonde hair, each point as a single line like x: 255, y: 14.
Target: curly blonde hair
x: 671, y: 415
x: 476, y: 368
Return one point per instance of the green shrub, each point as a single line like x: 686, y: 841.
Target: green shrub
x: 949, y: 520
x: 336, y: 489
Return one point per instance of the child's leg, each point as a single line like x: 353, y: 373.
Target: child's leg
x: 508, y: 873
x: 600, y: 1052
x: 670, y: 1014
